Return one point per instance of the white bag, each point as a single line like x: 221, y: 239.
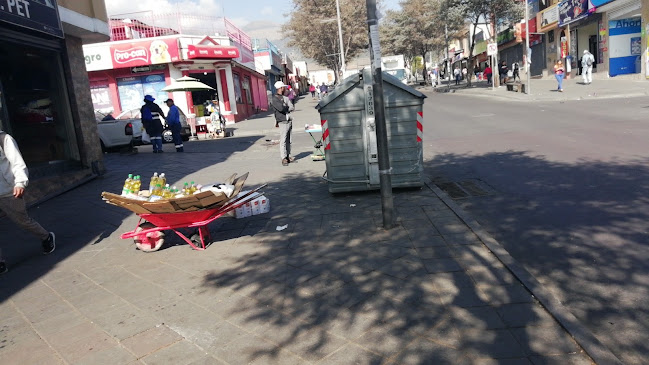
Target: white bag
x: 145, y: 137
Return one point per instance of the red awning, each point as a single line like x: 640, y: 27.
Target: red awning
x: 210, y: 52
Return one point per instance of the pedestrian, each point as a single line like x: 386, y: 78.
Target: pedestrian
x: 291, y: 95
x: 151, y: 114
x: 502, y: 70
x: 297, y: 89
x: 516, y: 71
x: 587, y: 62
x: 216, y: 119
x: 13, y: 181
x: 283, y: 121
x: 465, y: 72
x: 457, y: 74
x: 488, y: 73
x: 559, y: 72
x: 323, y: 90
x: 312, y: 91
x: 173, y: 121
x: 476, y: 72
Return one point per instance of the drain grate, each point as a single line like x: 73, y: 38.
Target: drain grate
x: 466, y: 188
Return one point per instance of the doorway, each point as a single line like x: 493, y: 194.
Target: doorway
x: 592, y: 48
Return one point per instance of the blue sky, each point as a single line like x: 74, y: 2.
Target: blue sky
x: 241, y: 12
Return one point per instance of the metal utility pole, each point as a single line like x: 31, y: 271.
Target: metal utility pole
x: 342, y: 46
x: 385, y: 180
x: 527, y: 47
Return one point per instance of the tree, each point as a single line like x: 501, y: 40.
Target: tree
x: 313, y: 29
x: 419, y: 27
x: 487, y: 11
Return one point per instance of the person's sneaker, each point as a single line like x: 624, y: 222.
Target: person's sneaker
x: 49, y: 244
x: 285, y: 162
x: 3, y: 267
x: 291, y: 159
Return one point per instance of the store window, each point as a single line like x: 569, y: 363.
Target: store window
x: 36, y: 109
x: 101, y: 101
x: 246, y: 87
x: 132, y: 89
x: 237, y: 88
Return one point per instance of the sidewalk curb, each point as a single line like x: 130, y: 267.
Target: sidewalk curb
x: 593, y: 347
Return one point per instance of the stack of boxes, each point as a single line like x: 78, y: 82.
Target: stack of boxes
x: 257, y: 206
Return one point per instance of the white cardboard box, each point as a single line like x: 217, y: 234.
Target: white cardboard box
x: 243, y: 211
x: 260, y: 205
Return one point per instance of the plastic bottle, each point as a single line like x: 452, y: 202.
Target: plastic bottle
x: 192, y: 188
x: 136, y: 184
x: 157, y: 190
x: 186, y: 189
x: 154, y: 180
x: 162, y: 180
x: 127, y: 185
x: 166, y: 192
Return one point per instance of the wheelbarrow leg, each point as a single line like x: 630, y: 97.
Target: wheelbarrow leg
x: 205, y: 235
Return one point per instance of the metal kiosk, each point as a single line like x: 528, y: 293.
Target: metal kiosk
x: 349, y: 134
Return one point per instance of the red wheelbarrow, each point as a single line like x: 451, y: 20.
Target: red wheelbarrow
x: 149, y: 235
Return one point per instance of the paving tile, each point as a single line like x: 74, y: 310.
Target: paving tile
x: 32, y: 354
x: 571, y: 359
x: 491, y: 274
x: 497, y: 344
x: 465, y: 238
x: 505, y: 294
x: 314, y: 345
x: 424, y: 351
x: 179, y: 353
x: 207, y: 360
x: 476, y: 318
x: 450, y: 280
x: 386, y: 339
x: 125, y: 322
x: 435, y: 252
x: 525, y: 314
x: 245, y: 350
x: 461, y: 297
x: 427, y: 240
x: 92, y: 341
x: 550, y: 340
x: 36, y: 314
x: 149, y: 341
x: 109, y: 356
x: 403, y: 268
x: 17, y: 338
x: 439, y: 265
x: 353, y: 354
x: 213, y: 334
x: 59, y: 323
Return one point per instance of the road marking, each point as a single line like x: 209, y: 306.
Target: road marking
x: 483, y: 115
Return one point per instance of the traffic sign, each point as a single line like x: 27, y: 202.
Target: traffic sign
x: 492, y: 49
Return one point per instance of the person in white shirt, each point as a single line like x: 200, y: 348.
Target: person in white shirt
x: 13, y: 181
x: 587, y: 62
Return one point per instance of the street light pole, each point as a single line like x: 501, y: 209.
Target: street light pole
x: 340, y: 37
x: 385, y: 171
x: 527, y: 47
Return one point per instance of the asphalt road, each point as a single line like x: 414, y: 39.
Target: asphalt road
x: 564, y: 187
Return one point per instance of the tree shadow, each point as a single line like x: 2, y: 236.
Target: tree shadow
x: 578, y: 227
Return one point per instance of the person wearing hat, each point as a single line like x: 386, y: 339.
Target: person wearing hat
x: 173, y: 121
x: 151, y: 114
x: 283, y: 108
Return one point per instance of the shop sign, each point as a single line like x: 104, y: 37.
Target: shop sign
x: 142, y: 53
x: 548, y: 18
x: 97, y: 57
x: 101, y: 98
x: 564, y: 47
x: 506, y: 36
x: 572, y: 10
x: 39, y: 15
x: 140, y: 69
x: 598, y: 3
x: 198, y: 51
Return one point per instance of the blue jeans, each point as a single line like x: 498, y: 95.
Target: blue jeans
x: 559, y: 80
x: 156, y: 142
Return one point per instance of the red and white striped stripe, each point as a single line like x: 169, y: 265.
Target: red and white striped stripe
x: 420, y: 126
x: 325, y: 134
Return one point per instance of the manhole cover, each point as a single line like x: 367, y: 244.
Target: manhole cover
x: 466, y: 188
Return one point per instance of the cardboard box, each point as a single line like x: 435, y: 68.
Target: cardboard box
x: 243, y: 211
x: 260, y: 205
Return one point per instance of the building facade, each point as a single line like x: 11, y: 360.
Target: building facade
x: 45, y: 101
x: 121, y: 72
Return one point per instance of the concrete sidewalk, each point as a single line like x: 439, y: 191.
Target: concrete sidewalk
x: 546, y: 90
x: 332, y: 288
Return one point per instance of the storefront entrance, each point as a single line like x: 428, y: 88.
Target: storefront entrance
x: 34, y: 108
x: 203, y: 98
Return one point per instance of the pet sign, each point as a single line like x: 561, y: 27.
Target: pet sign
x: 143, y: 53
x: 42, y: 16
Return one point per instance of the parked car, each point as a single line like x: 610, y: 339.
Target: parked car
x: 134, y: 116
x: 114, y: 133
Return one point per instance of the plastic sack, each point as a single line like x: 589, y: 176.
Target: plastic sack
x: 145, y: 137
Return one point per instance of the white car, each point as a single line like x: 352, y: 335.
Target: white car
x: 135, y: 118
x: 117, y: 133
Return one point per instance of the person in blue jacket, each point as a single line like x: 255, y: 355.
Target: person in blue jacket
x: 173, y: 121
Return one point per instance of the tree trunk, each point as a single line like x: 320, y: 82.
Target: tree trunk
x: 423, y: 60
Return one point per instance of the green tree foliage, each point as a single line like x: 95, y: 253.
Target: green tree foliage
x: 419, y: 27
x: 313, y: 29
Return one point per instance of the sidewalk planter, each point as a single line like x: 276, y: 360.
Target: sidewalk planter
x: 349, y: 134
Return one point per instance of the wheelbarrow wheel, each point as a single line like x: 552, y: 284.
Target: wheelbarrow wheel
x: 151, y: 241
